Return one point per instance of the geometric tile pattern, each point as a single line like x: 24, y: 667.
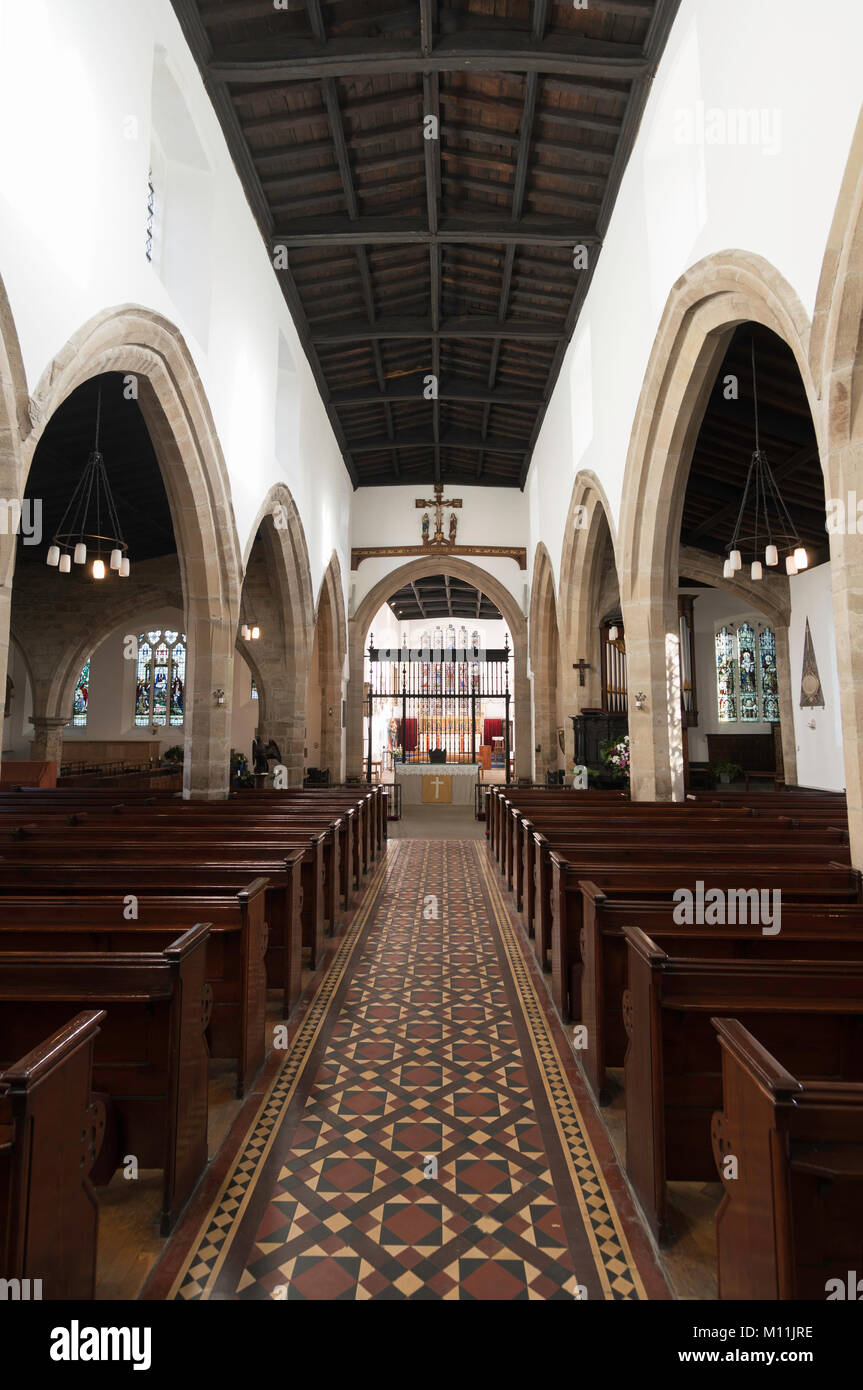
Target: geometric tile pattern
x: 421, y: 1140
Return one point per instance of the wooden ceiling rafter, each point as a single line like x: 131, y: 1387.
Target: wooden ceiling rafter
x: 451, y: 256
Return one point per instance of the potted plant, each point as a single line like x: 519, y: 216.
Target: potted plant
x: 240, y: 774
x: 615, y: 755
x: 726, y: 771
x: 174, y: 754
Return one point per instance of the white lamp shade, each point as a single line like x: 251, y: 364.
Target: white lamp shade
x: 65, y: 563
x: 736, y: 560
x: 790, y: 566
x: 80, y: 553
x: 53, y: 556
x: 727, y: 571
x: 801, y: 559
x: 98, y: 569
x: 756, y: 571
x: 116, y: 559
x: 124, y: 568
x: 771, y: 555
x: 613, y: 634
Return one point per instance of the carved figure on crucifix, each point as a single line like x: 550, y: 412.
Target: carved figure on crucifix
x: 453, y: 524
x: 425, y: 528
x: 439, y: 502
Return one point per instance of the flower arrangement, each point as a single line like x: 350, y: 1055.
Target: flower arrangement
x: 615, y: 755
x: 240, y: 774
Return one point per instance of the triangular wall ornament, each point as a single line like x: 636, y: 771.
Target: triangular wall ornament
x: 811, y: 693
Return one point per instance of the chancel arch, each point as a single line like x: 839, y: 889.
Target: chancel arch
x: 484, y: 583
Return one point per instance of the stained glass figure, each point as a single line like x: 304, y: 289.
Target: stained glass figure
x: 726, y: 676
x: 748, y: 673
x: 769, y: 676
x: 160, y: 689
x: 82, y: 697
x: 254, y: 691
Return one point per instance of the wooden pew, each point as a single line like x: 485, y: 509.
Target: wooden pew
x: 179, y: 880
x: 807, y: 930
x: 792, y: 1218
x: 818, y: 884
x: 236, y: 950
x: 251, y: 859
x: 150, y: 1056
x: 809, y: 1011
x: 51, y: 1131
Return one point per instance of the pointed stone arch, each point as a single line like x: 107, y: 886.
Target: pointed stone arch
x: 14, y: 425
x: 328, y: 665
x: 458, y: 568
x: 705, y: 306
x: 149, y: 348
x: 588, y: 585
x: 545, y: 664
x: 837, y: 361
x: 277, y: 594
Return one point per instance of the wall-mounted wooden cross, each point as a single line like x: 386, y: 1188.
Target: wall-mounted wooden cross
x: 438, y: 502
x: 581, y: 666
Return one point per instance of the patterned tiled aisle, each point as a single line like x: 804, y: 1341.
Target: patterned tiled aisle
x: 422, y: 1138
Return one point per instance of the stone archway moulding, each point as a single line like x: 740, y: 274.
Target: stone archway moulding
x: 143, y: 344
x: 704, y: 307
x: 589, y: 539
x: 278, y: 582
x: 545, y: 662
x: 457, y: 568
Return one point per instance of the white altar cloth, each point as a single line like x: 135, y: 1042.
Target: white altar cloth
x: 411, y: 777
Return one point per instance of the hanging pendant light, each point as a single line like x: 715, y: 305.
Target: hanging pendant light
x: 91, y: 507
x: 771, y: 519
x: 727, y: 571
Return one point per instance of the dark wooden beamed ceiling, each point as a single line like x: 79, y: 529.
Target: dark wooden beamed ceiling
x: 438, y: 596
x: 411, y: 257
x: 131, y: 465
x: 726, y: 440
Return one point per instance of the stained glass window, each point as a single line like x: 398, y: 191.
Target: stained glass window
x: 160, y: 689
x: 726, y: 682
x: 747, y: 681
x: 769, y: 676
x: 82, y: 697
x: 254, y: 694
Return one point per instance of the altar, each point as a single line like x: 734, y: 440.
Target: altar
x: 437, y: 784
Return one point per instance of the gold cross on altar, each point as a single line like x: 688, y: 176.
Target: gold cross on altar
x: 438, y: 502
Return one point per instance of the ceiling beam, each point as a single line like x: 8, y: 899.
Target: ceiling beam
x: 783, y: 471
x: 409, y: 231
x: 418, y: 598
x: 449, y: 389
x: 450, y: 439
x: 197, y: 38
x: 478, y: 326
x: 303, y: 59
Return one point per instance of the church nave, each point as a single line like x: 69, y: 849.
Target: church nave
x: 427, y: 1135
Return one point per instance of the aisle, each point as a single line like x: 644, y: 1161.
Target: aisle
x: 421, y: 1139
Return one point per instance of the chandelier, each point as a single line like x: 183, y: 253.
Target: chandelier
x: 90, y: 507
x: 773, y: 527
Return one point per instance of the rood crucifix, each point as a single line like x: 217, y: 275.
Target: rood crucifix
x: 439, y: 502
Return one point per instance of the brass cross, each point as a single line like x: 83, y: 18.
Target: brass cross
x: 438, y: 502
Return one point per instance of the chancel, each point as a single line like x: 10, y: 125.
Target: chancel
x: 431, y: 793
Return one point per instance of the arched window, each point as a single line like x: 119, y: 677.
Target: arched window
x: 747, y: 683
x: 160, y: 690
x: 82, y: 697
